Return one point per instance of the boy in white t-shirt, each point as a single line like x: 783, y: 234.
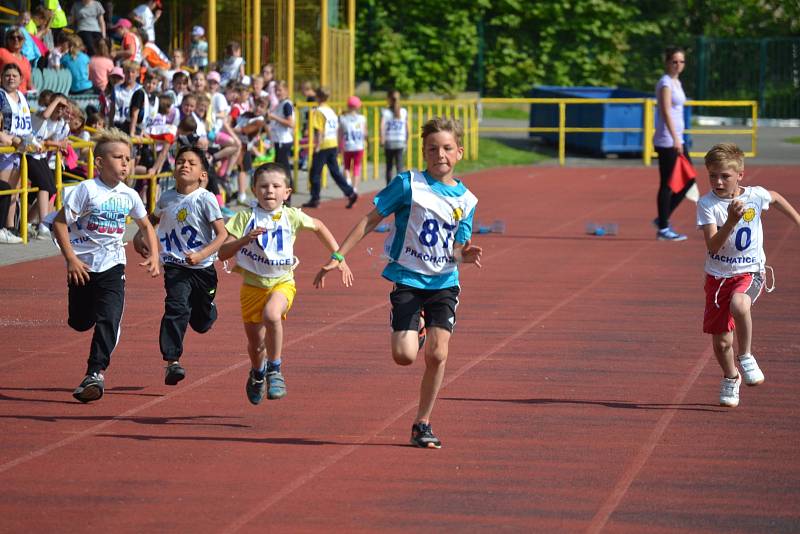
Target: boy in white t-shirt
x: 730, y: 217
x: 191, y: 230
x: 89, y: 230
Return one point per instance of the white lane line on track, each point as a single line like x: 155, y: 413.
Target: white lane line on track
x: 100, y: 426
x: 303, y: 479
x: 630, y: 474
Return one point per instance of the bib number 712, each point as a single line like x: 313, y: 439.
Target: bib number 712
x: 429, y: 236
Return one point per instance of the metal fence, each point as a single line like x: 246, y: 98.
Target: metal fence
x: 766, y: 70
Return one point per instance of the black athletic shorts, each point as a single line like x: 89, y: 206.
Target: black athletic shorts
x: 439, y: 306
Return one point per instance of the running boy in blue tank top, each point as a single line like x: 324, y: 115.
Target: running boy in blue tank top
x: 433, y: 214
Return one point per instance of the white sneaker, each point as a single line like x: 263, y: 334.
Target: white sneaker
x: 752, y: 373
x: 43, y: 232
x: 729, y: 391
x: 7, y: 238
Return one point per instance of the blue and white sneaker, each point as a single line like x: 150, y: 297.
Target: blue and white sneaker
x: 276, y: 385
x: 256, y: 387
x: 668, y: 234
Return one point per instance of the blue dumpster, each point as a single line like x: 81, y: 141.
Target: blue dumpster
x: 594, y: 116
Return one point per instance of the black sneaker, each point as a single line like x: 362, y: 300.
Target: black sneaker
x: 423, y: 333
x: 422, y: 436
x: 255, y: 387
x: 90, y: 388
x: 310, y: 204
x: 174, y: 373
x: 351, y: 200
x: 277, y: 385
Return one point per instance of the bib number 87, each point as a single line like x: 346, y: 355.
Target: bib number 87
x: 429, y: 236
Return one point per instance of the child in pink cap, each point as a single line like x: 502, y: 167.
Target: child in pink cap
x: 353, y: 140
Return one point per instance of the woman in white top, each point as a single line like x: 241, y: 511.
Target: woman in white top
x: 394, y: 133
x: 668, y: 139
x: 16, y: 123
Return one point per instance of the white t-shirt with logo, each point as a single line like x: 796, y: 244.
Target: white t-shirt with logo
x: 95, y: 215
x: 743, y: 252
x: 185, y: 225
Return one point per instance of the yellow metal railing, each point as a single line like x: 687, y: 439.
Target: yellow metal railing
x: 648, y: 121
x: 23, y: 189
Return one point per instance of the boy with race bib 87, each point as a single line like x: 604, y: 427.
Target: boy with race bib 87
x: 433, y: 214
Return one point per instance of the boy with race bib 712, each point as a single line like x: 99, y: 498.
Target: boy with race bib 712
x: 433, y: 213
x: 730, y: 217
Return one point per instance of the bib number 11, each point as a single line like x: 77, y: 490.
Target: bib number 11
x: 429, y: 236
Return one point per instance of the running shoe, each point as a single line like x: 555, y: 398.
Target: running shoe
x: 276, y: 385
x: 668, y: 234
x: 90, y: 388
x: 351, y: 200
x: 752, y: 373
x: 422, y: 436
x: 8, y: 238
x: 256, y: 387
x: 729, y: 391
x: 174, y: 373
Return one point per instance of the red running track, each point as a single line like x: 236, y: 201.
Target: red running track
x: 581, y: 395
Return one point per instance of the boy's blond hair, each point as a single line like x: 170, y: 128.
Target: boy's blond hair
x: 109, y: 136
x: 439, y: 124
x: 726, y: 155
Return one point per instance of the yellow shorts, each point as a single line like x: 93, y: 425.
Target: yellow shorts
x: 253, y: 299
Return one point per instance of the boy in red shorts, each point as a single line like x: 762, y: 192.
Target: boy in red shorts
x: 730, y: 217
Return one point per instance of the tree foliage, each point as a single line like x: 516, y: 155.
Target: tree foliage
x: 505, y: 46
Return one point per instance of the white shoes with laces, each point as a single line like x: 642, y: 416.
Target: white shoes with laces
x: 752, y: 373
x: 729, y: 387
x: 729, y: 391
x: 7, y: 238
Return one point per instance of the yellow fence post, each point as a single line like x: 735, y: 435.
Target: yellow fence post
x: 647, y: 147
x: 310, y: 148
x: 562, y: 119
x: 151, y: 193
x: 90, y: 164
x: 59, y: 181
x: 376, y: 143
x: 23, y: 201
x: 754, y: 126
x: 296, y: 151
x: 420, y: 122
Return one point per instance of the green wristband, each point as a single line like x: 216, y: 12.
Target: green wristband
x: 338, y: 257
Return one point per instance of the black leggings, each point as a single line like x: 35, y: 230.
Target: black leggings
x: 5, y: 203
x: 667, y: 200
x: 394, y: 158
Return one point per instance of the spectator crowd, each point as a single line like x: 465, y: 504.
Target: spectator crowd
x: 121, y: 78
